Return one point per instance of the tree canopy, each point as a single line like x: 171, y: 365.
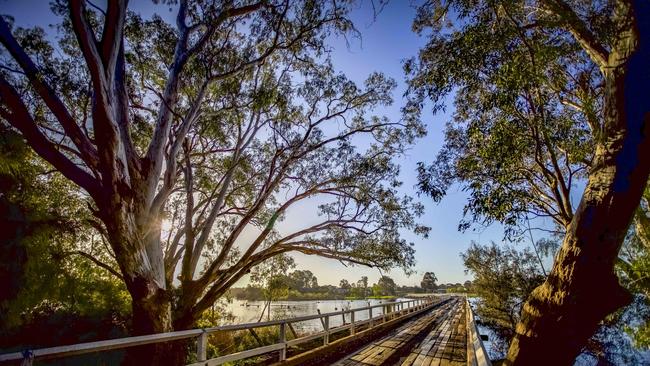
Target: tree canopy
x: 428, y: 282
x: 184, y: 136
x: 546, y: 96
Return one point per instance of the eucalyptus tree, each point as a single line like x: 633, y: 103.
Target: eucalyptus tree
x: 386, y: 286
x: 428, y: 282
x: 634, y: 271
x: 289, y: 144
x: 547, y: 92
x: 526, y: 112
x: 184, y: 137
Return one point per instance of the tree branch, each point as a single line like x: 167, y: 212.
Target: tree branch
x: 56, y: 106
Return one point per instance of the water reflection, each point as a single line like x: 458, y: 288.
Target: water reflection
x: 250, y: 311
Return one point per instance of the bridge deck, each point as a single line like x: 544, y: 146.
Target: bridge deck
x: 439, y: 338
x: 446, y: 344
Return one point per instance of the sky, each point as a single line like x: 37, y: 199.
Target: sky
x: 386, y: 40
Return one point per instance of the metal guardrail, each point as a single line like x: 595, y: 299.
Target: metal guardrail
x: 201, y: 335
x: 476, y: 354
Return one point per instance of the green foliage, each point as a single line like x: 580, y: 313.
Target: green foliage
x: 503, y: 279
x: 302, y: 280
x: 385, y: 287
x: 428, y: 283
x: 271, y: 277
x: 525, y: 118
x: 193, y: 133
x: 46, y: 282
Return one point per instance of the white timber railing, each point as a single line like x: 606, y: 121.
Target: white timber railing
x: 476, y: 354
x: 390, y: 310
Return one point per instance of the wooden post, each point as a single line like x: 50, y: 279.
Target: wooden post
x: 321, y: 319
x: 352, y: 330
x: 326, y: 338
x: 293, y: 331
x: 283, y: 340
x: 202, y: 347
x: 257, y: 338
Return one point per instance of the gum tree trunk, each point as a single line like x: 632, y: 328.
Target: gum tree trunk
x: 582, y: 288
x: 134, y: 238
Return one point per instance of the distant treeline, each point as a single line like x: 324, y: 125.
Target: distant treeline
x: 303, y: 285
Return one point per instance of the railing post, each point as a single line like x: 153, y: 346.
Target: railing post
x: 283, y: 340
x: 202, y: 347
x: 370, y: 317
x: 352, y: 330
x: 326, y: 338
x: 321, y: 318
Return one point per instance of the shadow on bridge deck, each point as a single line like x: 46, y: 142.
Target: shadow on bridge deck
x: 438, y: 338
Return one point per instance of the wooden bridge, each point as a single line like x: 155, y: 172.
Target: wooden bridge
x: 433, y: 331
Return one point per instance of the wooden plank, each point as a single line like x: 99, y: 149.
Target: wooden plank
x: 446, y: 343
x: 381, y: 351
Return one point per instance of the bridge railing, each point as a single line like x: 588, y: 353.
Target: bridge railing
x: 476, y: 354
x: 390, y: 310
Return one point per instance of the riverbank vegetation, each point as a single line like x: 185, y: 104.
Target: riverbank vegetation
x: 303, y: 285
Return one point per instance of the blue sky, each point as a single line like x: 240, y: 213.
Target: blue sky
x: 386, y: 41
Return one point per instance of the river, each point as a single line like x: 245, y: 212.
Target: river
x: 249, y: 311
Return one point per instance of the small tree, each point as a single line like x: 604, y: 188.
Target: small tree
x: 303, y: 279
x: 345, y: 285
x: 363, y: 285
x: 386, y: 286
x: 503, y: 276
x: 428, y: 282
x: 468, y: 285
x: 271, y: 277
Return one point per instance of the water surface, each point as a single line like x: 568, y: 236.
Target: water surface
x: 249, y: 311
